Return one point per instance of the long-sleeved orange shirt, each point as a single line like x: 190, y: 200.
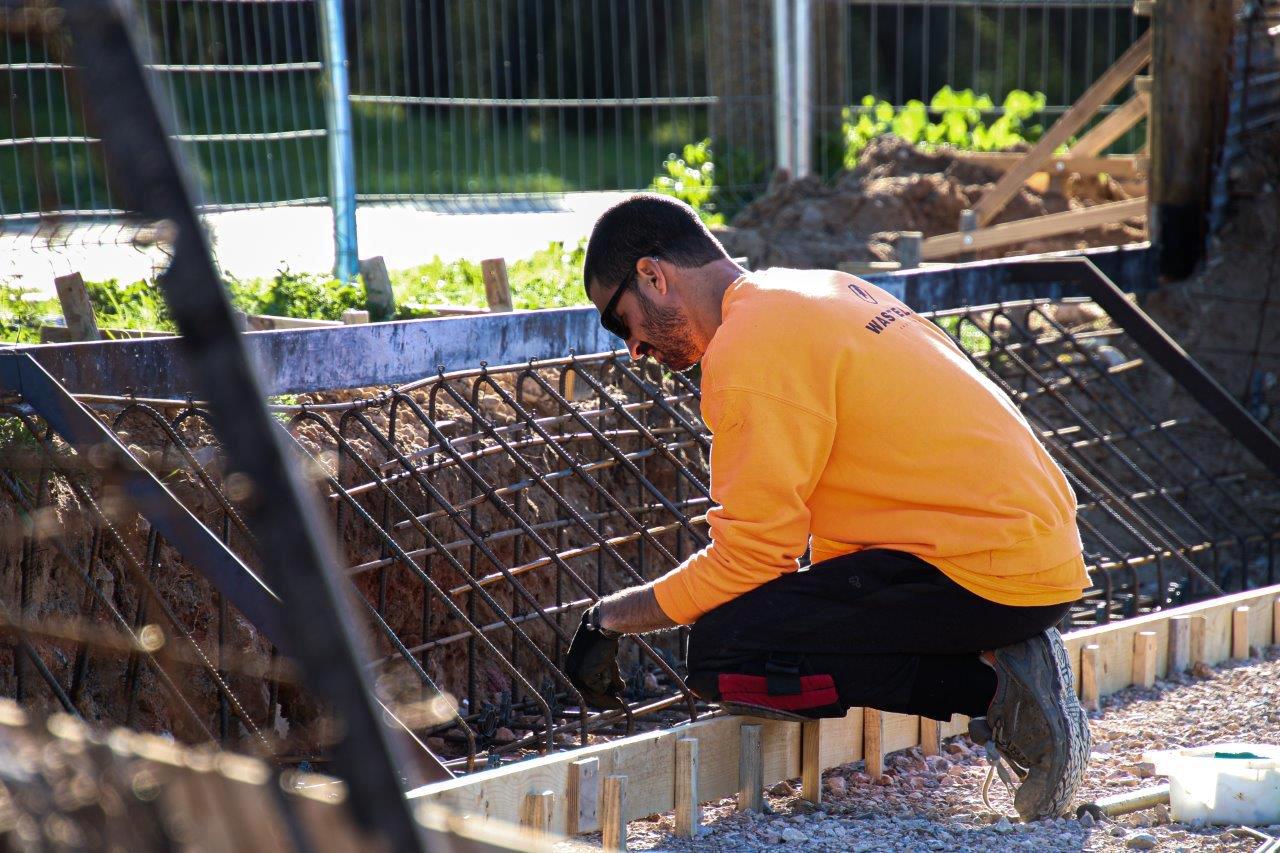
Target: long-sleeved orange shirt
x: 843, y: 420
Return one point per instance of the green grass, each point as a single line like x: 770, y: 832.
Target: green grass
x: 550, y: 278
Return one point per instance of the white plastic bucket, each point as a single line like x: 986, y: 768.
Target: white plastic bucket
x: 1227, y: 783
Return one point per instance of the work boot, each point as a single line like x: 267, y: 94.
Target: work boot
x: 1035, y: 723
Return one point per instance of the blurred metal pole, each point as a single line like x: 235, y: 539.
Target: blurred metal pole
x: 298, y: 553
x: 783, y: 89
x: 342, y: 161
x: 803, y: 150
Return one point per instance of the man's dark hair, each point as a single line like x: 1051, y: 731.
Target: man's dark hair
x: 646, y: 224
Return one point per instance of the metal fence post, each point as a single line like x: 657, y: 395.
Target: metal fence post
x: 803, y: 95
x: 342, y: 162
x: 783, y: 91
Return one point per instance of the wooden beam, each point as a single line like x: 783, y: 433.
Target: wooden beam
x: 497, y: 290
x: 613, y: 813
x: 1115, y: 125
x: 1076, y: 116
x: 750, y: 771
x: 1198, y: 629
x: 688, y: 807
x: 873, y: 742
x: 76, y: 307
x: 1034, y: 228
x: 1144, y: 658
x: 811, y: 761
x: 1275, y: 626
x: 1240, y: 632
x: 1189, y: 98
x: 583, y: 796
x: 1119, y: 166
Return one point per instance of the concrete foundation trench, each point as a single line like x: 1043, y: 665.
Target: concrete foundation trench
x: 480, y: 510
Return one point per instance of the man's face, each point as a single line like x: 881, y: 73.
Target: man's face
x: 656, y: 323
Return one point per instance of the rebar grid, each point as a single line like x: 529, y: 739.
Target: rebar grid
x: 480, y: 511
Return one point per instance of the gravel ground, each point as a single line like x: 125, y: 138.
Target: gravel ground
x: 936, y: 804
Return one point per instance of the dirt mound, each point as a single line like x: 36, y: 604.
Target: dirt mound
x: 808, y: 223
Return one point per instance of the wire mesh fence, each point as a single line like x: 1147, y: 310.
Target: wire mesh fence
x: 491, y: 104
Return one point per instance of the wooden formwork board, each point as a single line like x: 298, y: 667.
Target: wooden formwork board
x: 649, y: 760
x: 1033, y: 228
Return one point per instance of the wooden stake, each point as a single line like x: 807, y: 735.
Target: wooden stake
x: 1275, y: 622
x: 1197, y: 639
x: 582, y: 795
x: 688, y: 809
x: 497, y: 290
x: 1090, y: 671
x: 355, y: 316
x: 930, y: 736
x: 76, y: 307
x: 909, y: 249
x: 811, y: 761
x: 873, y: 742
x: 1144, y: 658
x: 1179, y: 643
x: 379, y: 298
x: 535, y: 812
x: 1240, y: 633
x: 750, y: 771
x: 613, y: 813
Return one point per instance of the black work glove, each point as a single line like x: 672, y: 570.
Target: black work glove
x: 592, y: 664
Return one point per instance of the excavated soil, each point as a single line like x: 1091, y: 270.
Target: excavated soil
x: 812, y: 224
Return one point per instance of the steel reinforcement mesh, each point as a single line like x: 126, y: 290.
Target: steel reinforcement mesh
x: 479, y: 511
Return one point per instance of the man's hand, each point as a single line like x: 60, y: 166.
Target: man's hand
x: 592, y: 663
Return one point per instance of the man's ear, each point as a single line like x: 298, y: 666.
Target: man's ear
x: 651, y: 274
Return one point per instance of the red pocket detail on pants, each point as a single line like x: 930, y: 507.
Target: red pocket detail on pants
x: 815, y: 692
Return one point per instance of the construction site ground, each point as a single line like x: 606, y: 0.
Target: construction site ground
x: 935, y: 803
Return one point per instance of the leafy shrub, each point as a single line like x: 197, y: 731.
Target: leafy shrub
x: 292, y: 294
x: 692, y: 179
x: 960, y: 122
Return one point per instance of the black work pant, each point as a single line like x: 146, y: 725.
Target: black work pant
x: 890, y: 630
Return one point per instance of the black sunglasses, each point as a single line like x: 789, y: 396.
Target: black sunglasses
x: 610, y: 320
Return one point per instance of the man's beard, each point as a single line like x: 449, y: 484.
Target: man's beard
x: 669, y: 331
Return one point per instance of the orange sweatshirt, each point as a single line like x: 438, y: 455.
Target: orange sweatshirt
x: 839, y: 414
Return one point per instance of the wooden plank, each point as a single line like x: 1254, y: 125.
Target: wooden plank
x: 1090, y: 677
x: 841, y: 739
x: 901, y: 731
x: 268, y: 322
x: 76, y: 307
x: 930, y: 736
x: 811, y: 761
x: 750, y: 771
x: 1144, y: 658
x: 379, y: 297
x: 1179, y: 644
x: 1275, y: 624
x: 1118, y: 166
x: 873, y: 742
x: 536, y: 811
x: 497, y: 290
x: 582, y: 796
x: 1076, y: 116
x: 62, y: 335
x: 688, y: 806
x: 613, y: 813
x: 1035, y: 227
x: 1240, y: 632
x: 1119, y: 122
